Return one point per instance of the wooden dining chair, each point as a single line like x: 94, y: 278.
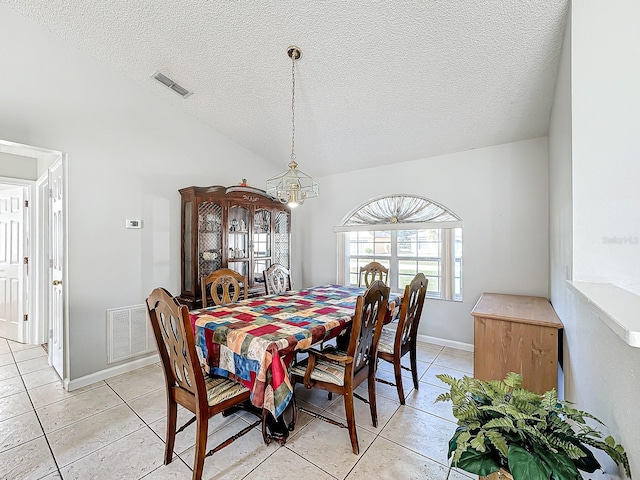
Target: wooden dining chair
x: 394, y: 345
x: 223, y: 286
x: 185, y: 381
x: 277, y: 279
x: 341, y: 372
x: 371, y: 272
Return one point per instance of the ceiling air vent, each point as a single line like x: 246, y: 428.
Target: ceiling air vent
x: 180, y: 90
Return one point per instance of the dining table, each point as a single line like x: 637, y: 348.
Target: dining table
x: 253, y: 341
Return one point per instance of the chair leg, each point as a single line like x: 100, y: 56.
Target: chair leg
x: 202, y: 425
x: 266, y: 438
x: 373, y: 407
x: 351, y: 421
x: 294, y: 412
x: 172, y: 415
x: 414, y: 365
x: 397, y: 370
x: 293, y: 422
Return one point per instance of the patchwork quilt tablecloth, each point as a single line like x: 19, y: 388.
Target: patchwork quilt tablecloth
x: 252, y: 341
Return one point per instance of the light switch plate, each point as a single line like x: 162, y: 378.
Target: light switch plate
x: 133, y: 223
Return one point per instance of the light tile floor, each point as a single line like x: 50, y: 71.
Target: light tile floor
x: 115, y: 429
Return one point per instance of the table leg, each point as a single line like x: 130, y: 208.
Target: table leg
x: 272, y: 428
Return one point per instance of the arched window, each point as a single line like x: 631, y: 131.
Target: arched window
x: 407, y: 234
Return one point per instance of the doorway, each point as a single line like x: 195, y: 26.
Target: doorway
x: 41, y: 306
x: 14, y: 237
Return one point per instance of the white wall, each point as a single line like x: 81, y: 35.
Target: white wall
x: 500, y: 193
x: 600, y: 370
x: 16, y: 166
x: 128, y: 154
x: 606, y: 142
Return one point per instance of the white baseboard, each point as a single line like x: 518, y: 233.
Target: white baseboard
x: 468, y: 347
x: 77, y: 383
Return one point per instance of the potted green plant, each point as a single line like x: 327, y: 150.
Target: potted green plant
x: 505, y: 429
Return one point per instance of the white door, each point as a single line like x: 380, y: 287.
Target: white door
x: 13, y: 269
x: 56, y: 262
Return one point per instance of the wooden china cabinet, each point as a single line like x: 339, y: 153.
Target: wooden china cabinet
x: 241, y: 228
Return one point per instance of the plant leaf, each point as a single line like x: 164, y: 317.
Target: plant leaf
x: 462, y: 445
x: 513, y: 380
x: 498, y: 441
x: 453, y: 442
x: 478, y: 442
x: 562, y: 466
x: 479, y: 463
x: 504, y: 422
x: 448, y: 379
x: 618, y: 455
x: 587, y: 462
x: 527, y: 466
x: 443, y: 397
x: 550, y: 400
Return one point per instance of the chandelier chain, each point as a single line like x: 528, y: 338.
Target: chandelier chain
x: 293, y: 187
x: 293, y: 107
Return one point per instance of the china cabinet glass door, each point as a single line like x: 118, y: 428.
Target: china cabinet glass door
x: 238, y: 239
x: 186, y: 246
x: 281, y: 239
x: 261, y: 243
x: 209, y: 238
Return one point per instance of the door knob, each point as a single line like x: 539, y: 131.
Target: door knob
x: 57, y: 282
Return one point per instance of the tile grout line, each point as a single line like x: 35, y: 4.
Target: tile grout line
x: 53, y: 457
x: 409, y: 448
x: 107, y: 444
x: 78, y: 421
x: 317, y: 466
x: 146, y: 425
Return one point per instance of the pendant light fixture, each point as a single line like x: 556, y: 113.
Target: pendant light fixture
x: 293, y: 187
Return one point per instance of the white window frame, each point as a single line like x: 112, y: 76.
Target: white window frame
x: 447, y: 259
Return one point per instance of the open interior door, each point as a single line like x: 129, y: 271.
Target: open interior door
x: 56, y: 262
x: 13, y: 264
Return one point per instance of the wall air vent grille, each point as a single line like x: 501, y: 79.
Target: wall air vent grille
x: 129, y: 333
x: 179, y: 89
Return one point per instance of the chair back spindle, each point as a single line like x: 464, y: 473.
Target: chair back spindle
x: 223, y: 286
x: 414, y: 298
x: 173, y: 334
x: 277, y: 279
x: 371, y: 272
x: 367, y: 325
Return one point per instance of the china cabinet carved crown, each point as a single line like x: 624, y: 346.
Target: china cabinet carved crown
x: 240, y: 228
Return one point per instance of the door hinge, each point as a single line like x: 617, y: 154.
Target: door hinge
x: 51, y: 193
x: 26, y: 203
x: 26, y: 317
x: 51, y: 263
x: 26, y: 260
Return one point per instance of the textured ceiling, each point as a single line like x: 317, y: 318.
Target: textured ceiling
x: 379, y: 81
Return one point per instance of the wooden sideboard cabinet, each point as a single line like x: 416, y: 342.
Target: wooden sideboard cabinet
x: 514, y: 333
x: 241, y: 228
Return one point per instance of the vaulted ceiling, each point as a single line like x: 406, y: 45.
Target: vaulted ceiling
x: 379, y: 82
